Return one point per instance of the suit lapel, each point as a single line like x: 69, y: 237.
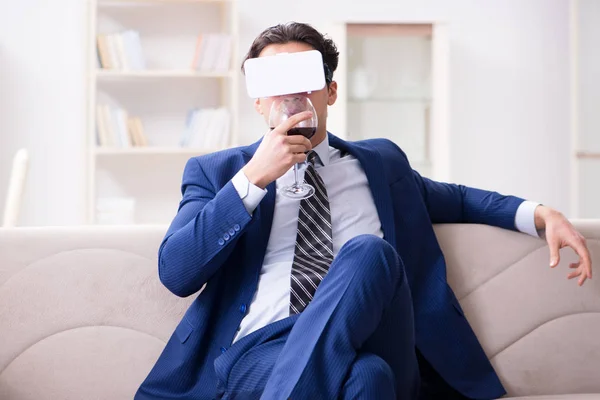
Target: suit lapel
x: 372, y: 163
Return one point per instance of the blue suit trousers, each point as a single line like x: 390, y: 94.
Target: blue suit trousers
x: 355, y: 340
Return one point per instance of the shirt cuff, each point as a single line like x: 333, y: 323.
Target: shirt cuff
x: 250, y: 194
x: 525, y: 218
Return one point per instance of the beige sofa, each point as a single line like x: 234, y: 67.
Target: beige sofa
x: 84, y: 316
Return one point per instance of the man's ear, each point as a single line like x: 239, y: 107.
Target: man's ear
x: 257, y: 106
x: 332, y: 93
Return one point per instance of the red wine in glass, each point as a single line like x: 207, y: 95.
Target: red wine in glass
x: 282, y: 108
x: 306, y: 132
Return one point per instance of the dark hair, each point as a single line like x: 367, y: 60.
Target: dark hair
x: 297, y: 32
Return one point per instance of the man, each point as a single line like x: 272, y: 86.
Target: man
x: 277, y: 318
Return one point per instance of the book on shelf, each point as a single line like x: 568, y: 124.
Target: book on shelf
x: 207, y: 128
x: 121, y: 51
x: 212, y: 53
x: 136, y: 130
x: 116, y: 128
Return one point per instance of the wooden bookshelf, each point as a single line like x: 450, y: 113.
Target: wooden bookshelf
x: 152, y: 150
x: 106, y: 74
x: 589, y: 155
x: 120, y: 3
x: 162, y: 94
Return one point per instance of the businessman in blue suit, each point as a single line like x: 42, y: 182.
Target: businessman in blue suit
x: 342, y: 295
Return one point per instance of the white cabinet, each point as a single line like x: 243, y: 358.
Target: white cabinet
x: 393, y: 84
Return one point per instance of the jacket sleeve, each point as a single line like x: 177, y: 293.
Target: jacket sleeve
x: 203, y: 234
x: 451, y: 203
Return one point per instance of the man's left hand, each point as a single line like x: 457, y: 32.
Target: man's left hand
x: 560, y: 233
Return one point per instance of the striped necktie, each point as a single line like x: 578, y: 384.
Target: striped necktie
x: 314, y: 242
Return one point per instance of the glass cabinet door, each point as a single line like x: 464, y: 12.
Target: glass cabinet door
x: 389, y: 86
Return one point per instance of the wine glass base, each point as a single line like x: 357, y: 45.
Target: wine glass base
x: 298, y: 192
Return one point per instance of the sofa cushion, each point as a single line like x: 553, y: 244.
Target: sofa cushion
x: 539, y: 329
x: 84, y: 316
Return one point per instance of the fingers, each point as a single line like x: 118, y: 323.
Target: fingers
x: 299, y: 158
x: 291, y: 122
x: 582, y: 251
x: 300, y: 140
x: 294, y: 144
x: 587, y: 262
x: 574, y: 274
x: 554, y: 254
x: 580, y: 272
x: 582, y: 275
x: 298, y: 148
x: 560, y: 234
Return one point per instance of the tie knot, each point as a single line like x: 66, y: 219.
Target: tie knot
x: 313, y: 158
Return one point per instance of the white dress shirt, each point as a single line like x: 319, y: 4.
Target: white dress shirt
x: 353, y: 213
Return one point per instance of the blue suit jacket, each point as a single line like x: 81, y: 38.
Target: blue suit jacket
x: 213, y: 241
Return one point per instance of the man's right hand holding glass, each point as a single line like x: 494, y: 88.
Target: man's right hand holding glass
x: 278, y: 152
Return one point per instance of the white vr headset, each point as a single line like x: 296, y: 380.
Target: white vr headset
x: 286, y: 73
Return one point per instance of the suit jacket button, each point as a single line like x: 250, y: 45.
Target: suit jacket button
x: 221, y: 242
x: 231, y: 232
x: 226, y: 236
x: 243, y: 308
x: 223, y: 349
x: 236, y: 227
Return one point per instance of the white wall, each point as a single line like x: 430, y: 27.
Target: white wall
x: 509, y: 111
x: 509, y: 103
x: 42, y: 105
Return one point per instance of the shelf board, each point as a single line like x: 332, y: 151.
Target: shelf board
x: 152, y: 74
x: 390, y: 100
x: 120, y: 3
x: 151, y: 150
x: 584, y: 154
x: 389, y: 29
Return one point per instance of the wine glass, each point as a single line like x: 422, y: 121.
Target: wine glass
x: 284, y: 107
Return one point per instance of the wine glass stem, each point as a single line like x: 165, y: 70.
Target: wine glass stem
x: 296, y: 168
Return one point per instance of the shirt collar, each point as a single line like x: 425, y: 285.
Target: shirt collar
x: 322, y: 150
